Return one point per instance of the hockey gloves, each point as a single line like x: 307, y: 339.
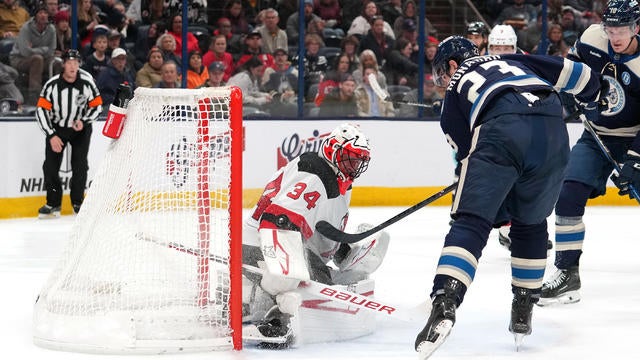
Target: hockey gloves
x: 629, y: 176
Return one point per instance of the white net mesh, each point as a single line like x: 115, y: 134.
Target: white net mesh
x: 147, y: 265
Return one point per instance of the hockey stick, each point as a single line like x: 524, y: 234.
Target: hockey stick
x: 375, y: 86
x: 587, y: 124
x: 417, y: 313
x: 334, y: 234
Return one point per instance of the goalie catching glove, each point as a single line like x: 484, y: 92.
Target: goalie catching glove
x: 629, y: 175
x: 356, y: 261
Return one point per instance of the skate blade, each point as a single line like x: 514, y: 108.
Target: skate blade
x: 519, y: 340
x: 570, y: 297
x: 426, y: 348
x: 54, y: 215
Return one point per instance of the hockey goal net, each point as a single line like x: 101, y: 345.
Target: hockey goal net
x: 153, y: 262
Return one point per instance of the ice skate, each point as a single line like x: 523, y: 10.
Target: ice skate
x: 561, y: 288
x: 49, y: 212
x: 274, y: 331
x: 76, y: 208
x: 521, y: 311
x: 441, y: 320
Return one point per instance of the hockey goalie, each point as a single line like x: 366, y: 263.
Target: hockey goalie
x: 282, y: 250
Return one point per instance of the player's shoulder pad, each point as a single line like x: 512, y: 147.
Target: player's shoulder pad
x: 312, y: 163
x: 594, y: 36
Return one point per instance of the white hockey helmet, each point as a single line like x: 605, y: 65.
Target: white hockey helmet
x: 347, y: 149
x: 502, y: 35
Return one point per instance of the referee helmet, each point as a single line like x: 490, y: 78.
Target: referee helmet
x: 71, y: 54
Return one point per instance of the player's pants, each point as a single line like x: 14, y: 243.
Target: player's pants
x: 79, y: 141
x: 514, y: 171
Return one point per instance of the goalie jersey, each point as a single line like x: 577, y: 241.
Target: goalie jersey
x: 623, y: 73
x: 480, y: 79
x: 305, y: 191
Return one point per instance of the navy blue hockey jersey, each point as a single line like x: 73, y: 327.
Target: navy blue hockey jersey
x: 623, y: 73
x: 479, y: 79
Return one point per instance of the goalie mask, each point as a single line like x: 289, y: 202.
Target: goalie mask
x: 347, y: 149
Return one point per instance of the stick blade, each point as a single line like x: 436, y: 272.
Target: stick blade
x: 330, y: 231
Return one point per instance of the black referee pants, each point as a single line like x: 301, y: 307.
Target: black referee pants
x: 79, y: 141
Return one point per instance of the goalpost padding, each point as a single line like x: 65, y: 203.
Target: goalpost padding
x: 175, y: 175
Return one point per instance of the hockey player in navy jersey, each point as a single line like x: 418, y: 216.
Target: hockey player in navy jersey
x: 503, y: 117
x: 612, y: 49
x: 315, y: 186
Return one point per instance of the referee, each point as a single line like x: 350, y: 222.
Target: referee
x: 68, y: 104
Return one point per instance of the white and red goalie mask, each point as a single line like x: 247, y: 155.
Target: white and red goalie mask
x: 347, y: 149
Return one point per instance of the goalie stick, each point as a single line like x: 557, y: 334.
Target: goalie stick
x: 375, y: 86
x: 413, y: 314
x: 334, y: 234
x: 587, y: 124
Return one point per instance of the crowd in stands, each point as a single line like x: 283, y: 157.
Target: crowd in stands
x: 255, y: 45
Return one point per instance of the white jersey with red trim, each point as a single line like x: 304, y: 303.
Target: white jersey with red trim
x: 299, y: 195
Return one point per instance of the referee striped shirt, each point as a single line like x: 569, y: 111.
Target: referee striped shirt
x: 61, y: 103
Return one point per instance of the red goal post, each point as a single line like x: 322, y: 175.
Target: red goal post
x: 153, y: 263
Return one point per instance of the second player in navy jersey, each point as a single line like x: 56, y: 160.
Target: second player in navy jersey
x: 611, y: 48
x: 503, y: 117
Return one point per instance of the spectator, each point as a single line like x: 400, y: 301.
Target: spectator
x: 146, y: 39
x: 572, y: 26
x: 529, y: 38
x: 330, y: 12
x: 315, y: 65
x: 63, y: 32
x: 377, y: 41
x: 114, y: 39
x: 409, y: 12
x: 8, y: 88
x: 248, y: 80
x: 400, y: 69
x: 12, y: 17
x: 197, y: 74
x: 196, y: 10
x: 557, y: 46
x: 234, y: 11
x: 272, y: 36
x: 332, y: 79
x: 234, y: 41
x: 169, y: 72
x: 409, y: 32
x: 341, y: 101
x: 87, y: 21
x: 147, y: 12
x: 52, y: 9
x: 431, y: 48
x: 151, y: 72
x: 361, y: 25
x: 33, y: 51
x: 519, y: 15
x: 368, y: 59
x: 282, y: 84
x: 216, y: 74
x: 253, y: 47
x: 175, y: 29
x: 113, y: 75
x: 392, y: 10
x: 167, y: 44
x: 217, y: 52
x: 293, y: 23
x: 369, y: 104
x: 98, y: 60
x: 430, y: 97
x: 349, y: 46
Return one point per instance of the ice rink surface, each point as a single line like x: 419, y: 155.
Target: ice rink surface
x: 604, y: 325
